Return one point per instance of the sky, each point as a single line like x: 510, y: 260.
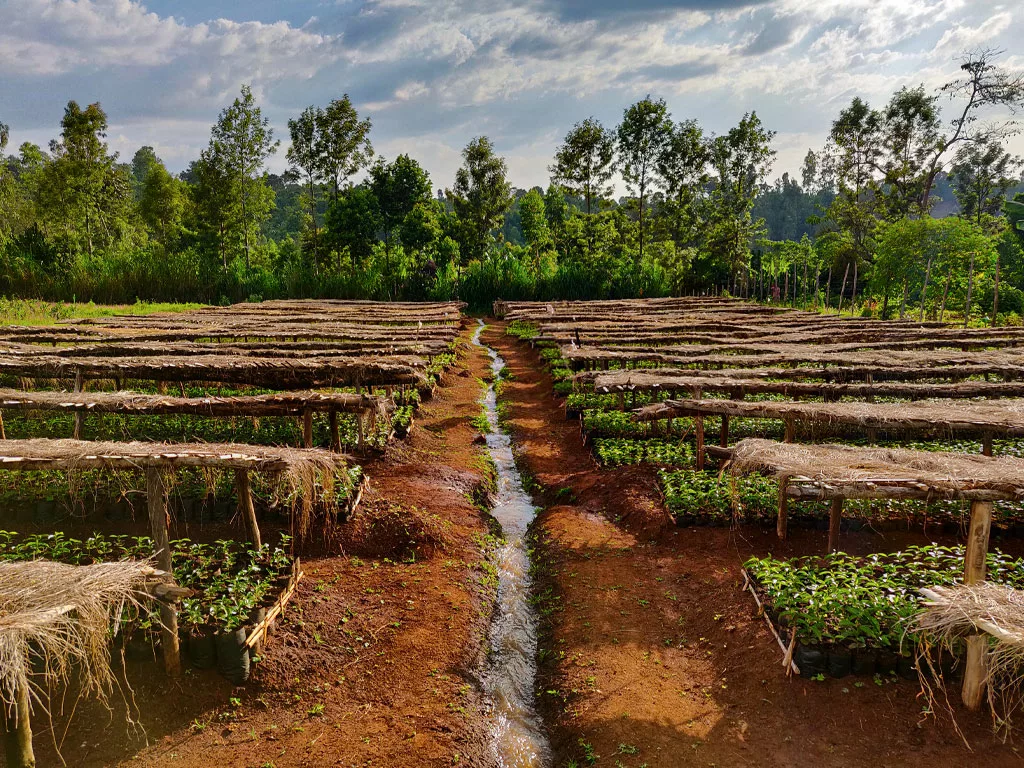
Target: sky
x: 432, y: 74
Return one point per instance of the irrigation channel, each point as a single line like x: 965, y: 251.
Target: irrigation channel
x: 517, y: 736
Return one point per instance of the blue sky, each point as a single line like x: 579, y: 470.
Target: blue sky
x: 431, y: 74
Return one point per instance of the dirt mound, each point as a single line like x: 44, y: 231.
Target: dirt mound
x: 382, y: 528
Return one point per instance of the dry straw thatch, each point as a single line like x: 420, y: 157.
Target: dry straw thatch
x: 939, y: 473
x: 304, y: 477
x: 58, y: 617
x: 953, y: 613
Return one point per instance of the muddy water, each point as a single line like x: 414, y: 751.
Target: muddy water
x: 517, y: 735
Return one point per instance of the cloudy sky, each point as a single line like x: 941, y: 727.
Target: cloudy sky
x: 431, y: 74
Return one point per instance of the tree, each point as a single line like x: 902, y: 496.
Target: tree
x: 682, y: 173
x: 305, y: 156
x: 983, y: 84
x: 910, y: 130
x: 421, y: 227
x: 583, y: 163
x: 480, y: 195
x: 645, y: 130
x: 398, y: 187
x: 142, y: 163
x: 534, y: 223
x: 982, y: 174
x: 161, y: 202
x: 345, y: 146
x: 741, y: 160
x: 5, y: 135
x: 83, y: 191
x: 242, y: 140
x: 353, y: 221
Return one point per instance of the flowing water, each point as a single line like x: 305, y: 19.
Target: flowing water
x: 517, y: 736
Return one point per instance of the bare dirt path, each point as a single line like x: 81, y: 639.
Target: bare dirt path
x: 652, y: 654
x: 373, y: 665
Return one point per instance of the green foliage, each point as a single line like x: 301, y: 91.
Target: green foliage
x: 864, y: 602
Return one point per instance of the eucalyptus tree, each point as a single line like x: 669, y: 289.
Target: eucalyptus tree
x: 398, y: 187
x: 242, y: 140
x: 305, y: 158
x: 584, y: 162
x: 344, y: 146
x: 740, y: 160
x: 683, y: 175
x: 480, y: 195
x: 643, y: 134
x: 982, y: 174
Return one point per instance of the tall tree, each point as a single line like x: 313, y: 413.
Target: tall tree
x: 645, y: 130
x: 143, y: 162
x: 243, y: 141
x: 583, y: 163
x: 984, y: 84
x: 305, y: 156
x: 911, y: 128
x: 741, y: 160
x: 161, y: 202
x: 982, y: 174
x: 84, y: 190
x: 5, y: 135
x: 683, y: 174
x: 398, y: 187
x: 480, y: 195
x: 345, y: 146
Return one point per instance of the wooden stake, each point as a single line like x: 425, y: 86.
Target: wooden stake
x: 973, y: 692
x: 17, y: 725
x: 244, y: 491
x: 790, y: 430
x: 835, y: 520
x: 79, y: 415
x: 723, y: 437
x: 986, y: 443
x: 156, y: 496
x: 335, y: 435
x: 3, y: 433
x: 782, y: 526
x: 307, y: 428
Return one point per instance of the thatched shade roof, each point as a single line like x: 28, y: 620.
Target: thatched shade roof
x: 827, y: 471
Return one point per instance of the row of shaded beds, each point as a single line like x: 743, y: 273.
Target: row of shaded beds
x: 693, y: 358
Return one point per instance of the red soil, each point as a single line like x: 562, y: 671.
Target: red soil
x: 653, y: 654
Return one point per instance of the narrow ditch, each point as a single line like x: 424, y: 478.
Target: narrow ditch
x: 517, y: 737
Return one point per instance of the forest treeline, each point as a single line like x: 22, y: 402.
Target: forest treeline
x: 864, y: 225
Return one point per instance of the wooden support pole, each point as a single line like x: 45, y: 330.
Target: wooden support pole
x: 699, y: 424
x: 244, y: 490
x: 790, y: 430
x: 156, y: 497
x: 3, y: 432
x: 335, y: 434
x: 835, y: 520
x: 973, y: 692
x: 986, y: 443
x: 79, y: 415
x: 723, y: 437
x: 782, y: 526
x: 360, y: 430
x: 17, y: 725
x: 307, y: 428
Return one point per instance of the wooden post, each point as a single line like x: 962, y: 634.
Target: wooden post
x: 360, y: 436
x: 782, y: 526
x: 790, y: 430
x: 17, y: 725
x: 974, y: 573
x: 622, y: 400
x: 79, y: 415
x: 723, y: 437
x: 335, y: 435
x: 3, y: 433
x: 986, y: 442
x: 244, y: 491
x: 307, y: 428
x: 156, y: 497
x: 698, y: 420
x: 835, y: 520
